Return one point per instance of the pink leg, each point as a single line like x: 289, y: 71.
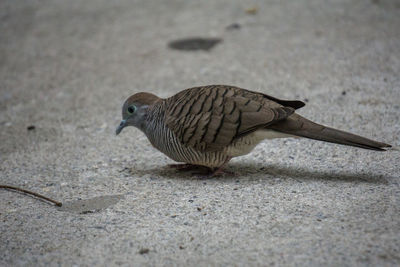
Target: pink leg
x: 219, y: 171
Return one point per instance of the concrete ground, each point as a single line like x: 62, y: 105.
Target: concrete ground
x: 67, y: 66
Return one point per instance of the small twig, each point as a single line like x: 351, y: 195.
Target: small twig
x: 58, y: 204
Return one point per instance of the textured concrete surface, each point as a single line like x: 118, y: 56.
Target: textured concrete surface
x: 67, y: 66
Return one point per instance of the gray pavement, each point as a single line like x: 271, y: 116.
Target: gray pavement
x: 67, y: 66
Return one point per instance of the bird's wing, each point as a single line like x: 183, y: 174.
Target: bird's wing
x: 211, y: 117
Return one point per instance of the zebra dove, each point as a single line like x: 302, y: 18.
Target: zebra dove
x: 209, y: 125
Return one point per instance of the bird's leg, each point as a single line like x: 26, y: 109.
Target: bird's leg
x: 220, y: 171
x: 185, y: 167
x: 204, y: 171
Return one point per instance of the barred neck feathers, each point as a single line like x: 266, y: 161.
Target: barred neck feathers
x: 155, y: 122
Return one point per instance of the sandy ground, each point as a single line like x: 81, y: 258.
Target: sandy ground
x: 67, y: 66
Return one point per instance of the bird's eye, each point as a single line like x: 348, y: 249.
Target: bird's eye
x: 131, y: 109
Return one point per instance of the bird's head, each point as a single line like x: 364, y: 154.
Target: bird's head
x: 135, y: 109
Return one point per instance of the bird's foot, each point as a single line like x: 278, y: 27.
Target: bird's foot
x: 185, y: 167
x: 203, y: 171
x: 209, y: 173
x: 221, y: 172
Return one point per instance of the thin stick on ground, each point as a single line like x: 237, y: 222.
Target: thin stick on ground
x: 57, y: 203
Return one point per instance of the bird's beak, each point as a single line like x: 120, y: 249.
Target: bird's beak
x: 120, y: 127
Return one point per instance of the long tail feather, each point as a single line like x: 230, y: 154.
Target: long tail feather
x: 299, y: 126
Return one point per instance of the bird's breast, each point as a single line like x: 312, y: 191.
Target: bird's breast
x: 164, y: 140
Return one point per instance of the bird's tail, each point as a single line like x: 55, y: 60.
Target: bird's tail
x: 299, y: 126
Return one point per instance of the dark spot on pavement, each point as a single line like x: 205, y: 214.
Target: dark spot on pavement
x: 233, y: 26
x: 87, y: 211
x: 31, y: 127
x: 144, y: 251
x: 193, y: 44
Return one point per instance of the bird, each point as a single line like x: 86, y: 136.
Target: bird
x: 207, y: 126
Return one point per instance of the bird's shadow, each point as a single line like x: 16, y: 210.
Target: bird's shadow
x: 250, y: 172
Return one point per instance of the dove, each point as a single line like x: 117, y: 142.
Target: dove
x: 209, y: 125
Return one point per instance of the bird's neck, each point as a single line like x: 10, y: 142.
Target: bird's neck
x: 155, y: 122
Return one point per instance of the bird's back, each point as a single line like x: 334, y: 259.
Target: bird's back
x: 210, y: 118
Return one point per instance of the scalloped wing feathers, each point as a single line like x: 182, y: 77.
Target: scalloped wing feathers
x: 211, y: 117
